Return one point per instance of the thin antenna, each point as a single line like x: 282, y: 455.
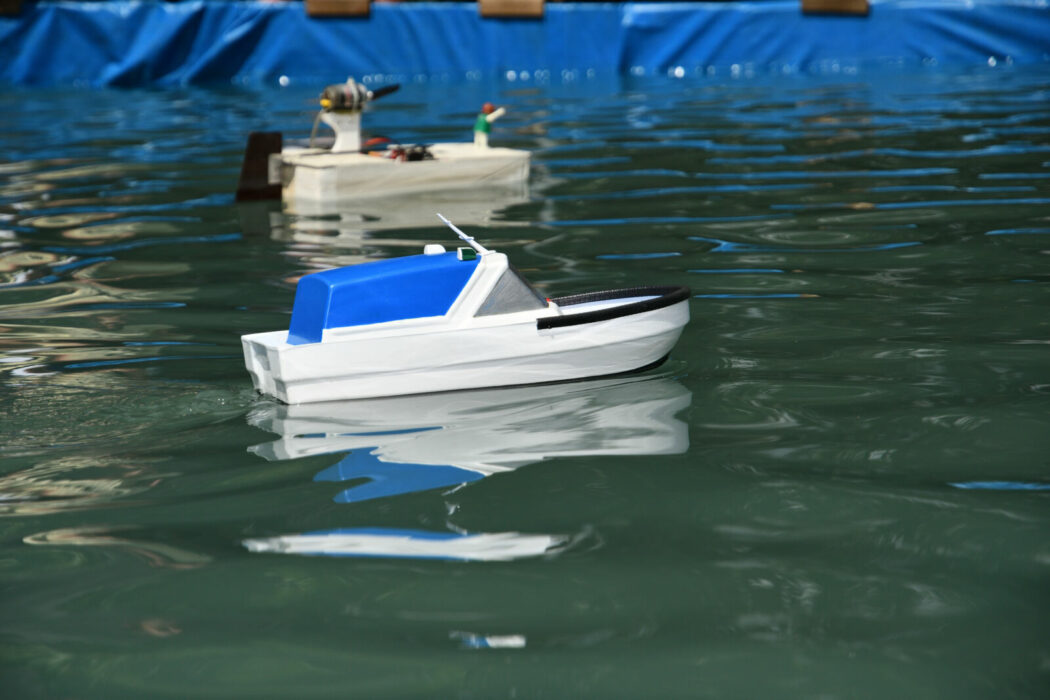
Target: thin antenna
x: 469, y: 239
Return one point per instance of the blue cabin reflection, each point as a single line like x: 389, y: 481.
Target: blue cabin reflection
x: 386, y: 479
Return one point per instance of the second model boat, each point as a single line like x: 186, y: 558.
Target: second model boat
x: 351, y: 169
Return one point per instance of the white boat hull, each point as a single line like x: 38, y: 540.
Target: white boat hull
x: 310, y: 176
x: 404, y: 360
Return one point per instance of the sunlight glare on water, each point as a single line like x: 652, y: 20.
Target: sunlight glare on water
x: 836, y: 487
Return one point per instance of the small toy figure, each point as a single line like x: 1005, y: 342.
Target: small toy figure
x: 483, y: 124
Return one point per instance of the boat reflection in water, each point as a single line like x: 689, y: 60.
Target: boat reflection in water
x: 403, y: 445
x: 333, y: 235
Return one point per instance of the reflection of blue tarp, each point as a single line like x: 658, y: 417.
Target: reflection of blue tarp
x: 200, y: 41
x: 385, y: 479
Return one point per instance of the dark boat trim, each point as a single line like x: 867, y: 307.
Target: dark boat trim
x: 662, y: 296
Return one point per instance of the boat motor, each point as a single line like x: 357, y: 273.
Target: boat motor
x: 341, y: 107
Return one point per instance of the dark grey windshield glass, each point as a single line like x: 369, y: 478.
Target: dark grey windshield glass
x: 511, y: 293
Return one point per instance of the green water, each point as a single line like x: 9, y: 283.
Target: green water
x: 836, y: 487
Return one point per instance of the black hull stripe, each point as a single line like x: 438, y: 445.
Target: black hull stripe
x: 662, y: 296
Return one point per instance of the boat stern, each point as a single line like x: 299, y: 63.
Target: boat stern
x: 260, y: 359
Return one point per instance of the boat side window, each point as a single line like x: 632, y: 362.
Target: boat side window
x: 511, y: 293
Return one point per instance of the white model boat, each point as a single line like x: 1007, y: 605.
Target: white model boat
x: 308, y: 176
x: 445, y: 321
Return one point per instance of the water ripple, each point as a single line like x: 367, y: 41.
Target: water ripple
x: 140, y: 243
x: 723, y: 246
x: 655, y: 220
x: 1018, y: 232
x: 1002, y: 485
x: 925, y: 204
x: 989, y: 151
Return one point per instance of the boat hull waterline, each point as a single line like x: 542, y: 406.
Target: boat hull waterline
x: 310, y: 176
x: 594, y: 335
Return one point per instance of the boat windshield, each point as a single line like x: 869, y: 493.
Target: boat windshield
x: 511, y: 293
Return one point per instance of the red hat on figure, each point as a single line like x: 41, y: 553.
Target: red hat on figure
x: 487, y: 108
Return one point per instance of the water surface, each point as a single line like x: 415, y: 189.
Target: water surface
x: 836, y: 487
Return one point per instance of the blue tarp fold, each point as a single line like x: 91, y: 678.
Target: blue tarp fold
x: 136, y: 43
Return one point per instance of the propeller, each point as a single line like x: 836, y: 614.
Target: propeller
x: 384, y: 91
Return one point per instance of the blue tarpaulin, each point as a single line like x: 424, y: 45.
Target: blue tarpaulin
x: 137, y: 43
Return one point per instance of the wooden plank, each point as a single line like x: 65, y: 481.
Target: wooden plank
x: 10, y: 8
x: 338, y: 8
x: 255, y: 182
x: 511, y: 8
x: 835, y: 7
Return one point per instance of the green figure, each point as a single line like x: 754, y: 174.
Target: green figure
x: 483, y: 124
